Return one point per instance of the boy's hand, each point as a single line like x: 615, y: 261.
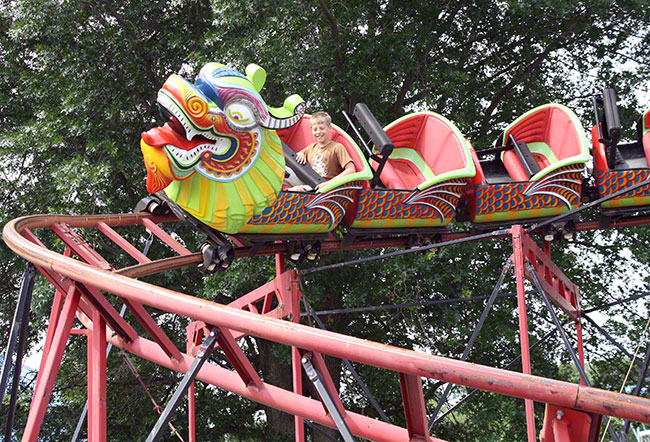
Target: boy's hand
x: 318, y: 187
x: 300, y: 158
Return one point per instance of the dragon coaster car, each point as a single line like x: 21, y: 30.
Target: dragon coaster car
x: 219, y: 163
x: 423, y: 162
x: 620, y: 165
x: 535, y: 172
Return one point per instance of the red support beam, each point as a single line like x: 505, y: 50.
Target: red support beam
x: 112, y: 317
x: 55, y: 314
x: 319, y: 364
x: 354, y: 349
x: 296, y: 370
x: 238, y: 359
x: 296, y: 365
x: 97, y: 380
x: 80, y: 246
x: 153, y: 329
x: 270, y: 395
x: 518, y: 259
x: 122, y: 243
x: 50, y: 368
x: 293, y: 334
x: 87, y: 253
x: 559, y: 288
x: 194, y: 338
x: 581, y: 348
x: 414, y: 408
x: 164, y: 236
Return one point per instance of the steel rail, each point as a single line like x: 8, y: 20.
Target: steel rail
x: 177, y: 262
x: 486, y: 378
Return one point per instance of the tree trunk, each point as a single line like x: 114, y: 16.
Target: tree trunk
x: 276, y: 371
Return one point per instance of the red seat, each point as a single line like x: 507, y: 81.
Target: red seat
x: 552, y: 125
x: 426, y: 145
x: 516, y: 169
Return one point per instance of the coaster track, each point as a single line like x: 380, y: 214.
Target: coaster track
x: 270, y: 312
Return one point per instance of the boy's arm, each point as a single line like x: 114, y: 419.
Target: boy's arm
x: 349, y: 169
x: 301, y: 157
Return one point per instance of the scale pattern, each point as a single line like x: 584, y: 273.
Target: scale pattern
x: 435, y: 205
x: 611, y: 181
x: 322, y: 211
x: 555, y: 193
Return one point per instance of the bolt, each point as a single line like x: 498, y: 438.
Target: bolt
x: 560, y: 414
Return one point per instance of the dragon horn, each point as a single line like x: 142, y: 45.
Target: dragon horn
x: 288, y: 115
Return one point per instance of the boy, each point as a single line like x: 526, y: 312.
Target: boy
x: 328, y: 158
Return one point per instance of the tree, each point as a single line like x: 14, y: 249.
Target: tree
x: 78, y: 86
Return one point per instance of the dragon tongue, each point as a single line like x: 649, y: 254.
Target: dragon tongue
x: 166, y: 135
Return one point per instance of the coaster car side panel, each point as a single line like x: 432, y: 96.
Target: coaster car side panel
x: 558, y: 140
x: 425, y: 175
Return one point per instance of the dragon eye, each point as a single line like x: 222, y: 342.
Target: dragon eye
x: 241, y: 115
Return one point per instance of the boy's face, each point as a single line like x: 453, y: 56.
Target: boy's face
x: 321, y: 132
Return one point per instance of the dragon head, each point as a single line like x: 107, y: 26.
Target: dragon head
x: 218, y: 156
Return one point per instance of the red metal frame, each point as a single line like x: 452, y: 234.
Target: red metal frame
x: 97, y: 380
x: 252, y: 315
x: 565, y: 295
x: 518, y: 260
x: 414, y: 408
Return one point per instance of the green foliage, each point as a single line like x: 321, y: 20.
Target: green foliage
x: 77, y: 86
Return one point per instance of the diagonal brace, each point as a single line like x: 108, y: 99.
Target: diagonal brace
x: 204, y: 353
x: 20, y: 321
x: 327, y: 399
x: 472, y: 339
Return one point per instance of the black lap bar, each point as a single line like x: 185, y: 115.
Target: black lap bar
x: 303, y: 171
x: 612, y: 121
x: 374, y: 130
x: 525, y: 157
x: 611, y: 126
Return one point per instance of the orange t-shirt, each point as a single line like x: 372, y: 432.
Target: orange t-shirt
x: 327, y: 161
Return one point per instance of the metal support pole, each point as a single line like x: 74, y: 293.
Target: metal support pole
x: 472, y: 339
x: 518, y: 257
x: 317, y: 429
x: 25, y: 300
x: 556, y: 321
x: 84, y: 412
x: 611, y: 339
x: 314, y: 376
x: 560, y: 330
x: 193, y: 340
x: 50, y: 368
x: 510, y: 364
x: 97, y: 379
x: 580, y: 343
x: 639, y: 383
x: 26, y: 289
x: 296, y: 371
x: 204, y: 353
